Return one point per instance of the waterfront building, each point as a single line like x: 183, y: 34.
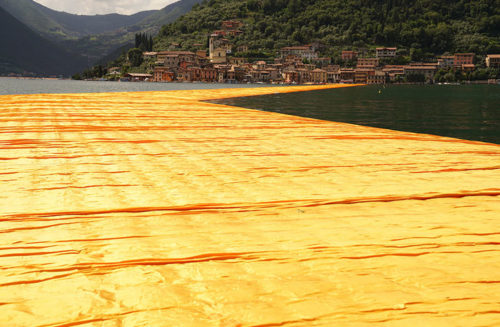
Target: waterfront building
x: 319, y: 76
x: 239, y: 72
x: 259, y: 75
x: 347, y: 75
x: 208, y: 74
x: 333, y: 76
x: 193, y: 74
x: 290, y: 76
x: 385, y: 52
x: 446, y: 61
x: 463, y: 59
x: 394, y: 72
x: 493, y: 61
x: 297, y: 76
x: 163, y: 74
x: 361, y: 74
x: 379, y: 77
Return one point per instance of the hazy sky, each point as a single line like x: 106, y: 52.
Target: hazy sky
x: 92, y: 7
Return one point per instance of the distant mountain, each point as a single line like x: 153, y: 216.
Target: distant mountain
x: 102, y: 45
x: 61, y: 26
x: 169, y: 14
x: 93, y: 36
x: 24, y: 51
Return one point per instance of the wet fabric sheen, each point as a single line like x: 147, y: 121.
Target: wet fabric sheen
x: 158, y: 209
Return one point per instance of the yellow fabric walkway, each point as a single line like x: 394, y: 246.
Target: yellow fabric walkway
x: 156, y: 209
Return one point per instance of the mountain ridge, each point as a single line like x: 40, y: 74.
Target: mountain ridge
x: 92, y: 37
x: 58, y: 25
x: 25, y: 52
x: 101, y: 45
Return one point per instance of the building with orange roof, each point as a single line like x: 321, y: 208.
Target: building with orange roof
x: 493, y: 61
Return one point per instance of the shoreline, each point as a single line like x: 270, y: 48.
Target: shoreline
x: 466, y: 82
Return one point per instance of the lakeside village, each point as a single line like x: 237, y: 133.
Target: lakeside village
x: 300, y: 65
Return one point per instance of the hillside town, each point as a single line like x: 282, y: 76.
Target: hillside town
x: 294, y: 64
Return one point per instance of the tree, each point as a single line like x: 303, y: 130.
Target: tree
x: 144, y: 42
x: 135, y: 57
x: 449, y: 77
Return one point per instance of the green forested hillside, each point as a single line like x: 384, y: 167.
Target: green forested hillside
x: 419, y: 27
x: 153, y: 22
x: 23, y: 50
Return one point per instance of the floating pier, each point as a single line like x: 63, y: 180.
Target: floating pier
x: 160, y: 209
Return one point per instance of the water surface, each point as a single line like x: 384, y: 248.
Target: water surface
x: 37, y: 86
x: 463, y: 111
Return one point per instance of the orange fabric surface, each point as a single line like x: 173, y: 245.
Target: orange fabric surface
x: 156, y: 209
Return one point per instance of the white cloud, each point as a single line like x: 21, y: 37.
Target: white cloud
x: 93, y: 7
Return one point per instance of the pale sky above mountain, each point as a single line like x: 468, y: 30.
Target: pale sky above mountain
x: 92, y: 7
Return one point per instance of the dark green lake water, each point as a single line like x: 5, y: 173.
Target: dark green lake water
x: 462, y: 111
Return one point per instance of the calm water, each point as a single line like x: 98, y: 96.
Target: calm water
x: 463, y: 111
x: 35, y: 86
